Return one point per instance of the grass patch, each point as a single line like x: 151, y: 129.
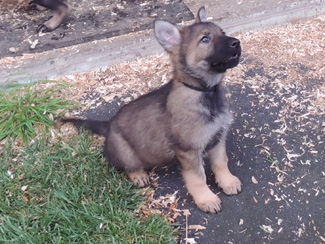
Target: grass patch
x: 25, y: 107
x: 63, y: 192
x: 68, y: 193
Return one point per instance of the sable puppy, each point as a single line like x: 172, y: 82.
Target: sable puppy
x: 184, y: 119
x: 61, y: 10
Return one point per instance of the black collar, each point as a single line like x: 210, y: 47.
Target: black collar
x: 212, y: 89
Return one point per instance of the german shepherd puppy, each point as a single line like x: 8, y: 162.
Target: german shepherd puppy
x: 61, y: 10
x: 184, y: 119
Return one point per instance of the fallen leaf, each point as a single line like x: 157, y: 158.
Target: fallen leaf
x: 271, y: 192
x: 33, y: 44
x: 267, y: 228
x: 175, y: 215
x: 13, y: 49
x: 108, y: 98
x: 190, y: 240
x: 170, y: 220
x: 26, y: 198
x: 186, y: 212
x: 172, y: 206
x: 24, y: 188
x: 21, y: 176
x: 254, y: 180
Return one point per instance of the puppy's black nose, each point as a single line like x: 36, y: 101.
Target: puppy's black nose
x: 234, y: 43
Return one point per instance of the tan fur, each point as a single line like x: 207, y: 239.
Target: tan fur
x: 195, y: 180
x: 229, y: 183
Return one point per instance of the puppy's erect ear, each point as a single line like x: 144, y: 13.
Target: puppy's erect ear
x: 167, y: 34
x: 201, y: 16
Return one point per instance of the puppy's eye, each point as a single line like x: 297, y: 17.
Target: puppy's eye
x: 205, y: 39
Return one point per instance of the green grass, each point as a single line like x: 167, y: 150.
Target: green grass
x: 63, y: 192
x: 24, y: 107
x: 68, y: 193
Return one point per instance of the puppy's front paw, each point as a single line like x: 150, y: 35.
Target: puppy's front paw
x: 209, y: 203
x: 139, y: 178
x: 229, y: 183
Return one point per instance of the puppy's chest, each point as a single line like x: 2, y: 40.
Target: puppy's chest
x: 212, y: 104
x: 212, y: 118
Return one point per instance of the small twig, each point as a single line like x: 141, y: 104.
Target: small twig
x: 186, y: 212
x: 186, y: 230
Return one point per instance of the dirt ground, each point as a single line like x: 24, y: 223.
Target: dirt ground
x: 89, y: 20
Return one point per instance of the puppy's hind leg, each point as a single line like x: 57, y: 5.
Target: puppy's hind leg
x: 229, y: 183
x: 139, y: 177
x: 122, y: 156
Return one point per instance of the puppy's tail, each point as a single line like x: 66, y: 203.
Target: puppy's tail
x: 95, y: 126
